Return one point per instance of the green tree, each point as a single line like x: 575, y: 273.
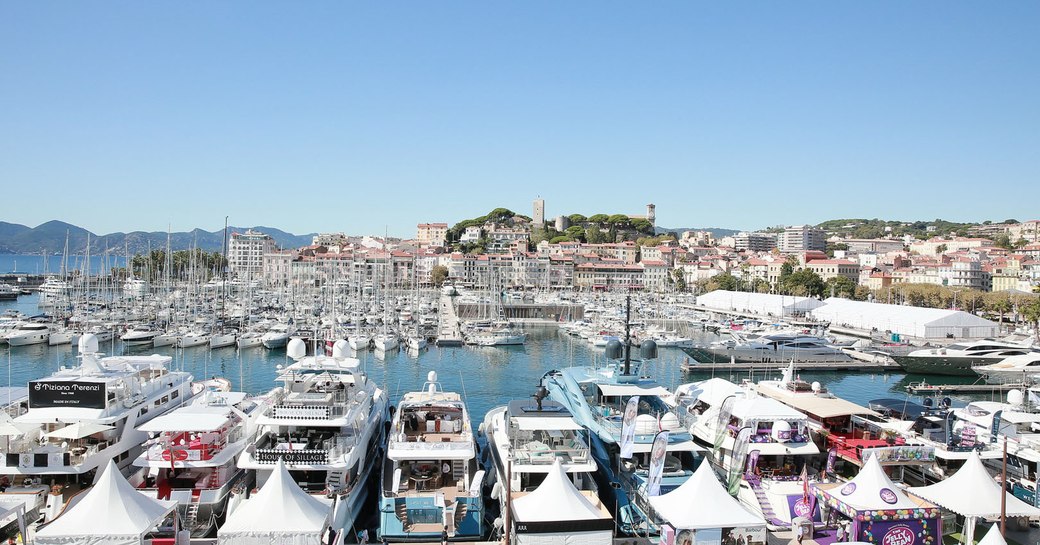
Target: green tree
x: 723, y: 281
x: 618, y: 219
x: 1003, y: 241
x: 577, y: 218
x: 643, y: 225
x: 438, y: 275
x: 805, y: 283
x: 1031, y: 314
x: 680, y: 279
x: 840, y: 286
x: 575, y: 232
x: 599, y: 218
x: 559, y: 239
x: 593, y: 235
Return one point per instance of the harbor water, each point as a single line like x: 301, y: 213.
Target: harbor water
x: 487, y: 377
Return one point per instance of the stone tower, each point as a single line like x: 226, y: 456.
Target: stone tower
x: 651, y: 214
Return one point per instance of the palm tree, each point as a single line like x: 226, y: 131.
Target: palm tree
x: 1002, y: 306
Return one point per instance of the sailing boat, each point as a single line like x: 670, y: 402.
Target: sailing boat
x: 387, y: 339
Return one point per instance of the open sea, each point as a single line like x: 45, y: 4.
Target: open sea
x: 487, y: 377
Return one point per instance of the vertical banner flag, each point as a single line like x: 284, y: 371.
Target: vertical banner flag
x: 628, y: 427
x: 996, y: 426
x: 658, y: 451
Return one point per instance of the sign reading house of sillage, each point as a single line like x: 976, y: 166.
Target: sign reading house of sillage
x: 300, y: 457
x: 81, y: 395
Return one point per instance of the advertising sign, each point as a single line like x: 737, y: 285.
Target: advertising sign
x: 658, y: 451
x: 628, y: 427
x: 900, y: 532
x: 908, y: 454
x: 62, y: 393
x: 299, y: 457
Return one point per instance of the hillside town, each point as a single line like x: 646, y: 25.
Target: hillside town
x: 514, y: 253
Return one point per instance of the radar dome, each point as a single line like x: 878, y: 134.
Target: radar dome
x: 431, y: 376
x: 88, y: 344
x: 781, y: 431
x: 340, y: 349
x: 1015, y: 397
x: 648, y: 350
x: 645, y: 425
x: 296, y: 349
x: 816, y: 387
x: 614, y: 350
x: 670, y: 422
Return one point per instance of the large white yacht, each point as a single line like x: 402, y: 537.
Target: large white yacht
x: 29, y: 333
x: 776, y: 347
x: 191, y: 455
x: 524, y: 439
x: 277, y: 336
x: 959, y: 358
x: 139, y: 335
x: 759, y: 445
x: 327, y: 423
x: 78, y: 419
x: 431, y: 482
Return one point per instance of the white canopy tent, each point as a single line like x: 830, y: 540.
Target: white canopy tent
x: 984, y: 498
x: 557, y: 512
x: 281, y: 512
x: 78, y: 430
x: 925, y: 323
x: 762, y: 304
x: 993, y: 537
x: 715, y: 508
x: 112, y: 512
x: 863, y: 494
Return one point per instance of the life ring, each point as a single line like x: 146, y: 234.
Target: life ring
x: 56, y: 490
x: 26, y: 459
x: 176, y: 455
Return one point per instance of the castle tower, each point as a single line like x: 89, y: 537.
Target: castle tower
x: 539, y: 214
x: 651, y: 214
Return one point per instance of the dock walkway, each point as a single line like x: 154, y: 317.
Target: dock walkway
x: 449, y: 332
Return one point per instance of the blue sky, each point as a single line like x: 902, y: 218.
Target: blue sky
x: 361, y: 117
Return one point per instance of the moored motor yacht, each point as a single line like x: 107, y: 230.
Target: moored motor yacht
x: 29, y: 333
x: 139, y: 335
x: 431, y: 482
x: 277, y: 336
x: 78, y: 419
x: 327, y: 424
x: 191, y: 455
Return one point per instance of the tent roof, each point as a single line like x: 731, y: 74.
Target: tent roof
x: 111, y: 507
x: 867, y: 490
x: 763, y: 408
x: 712, y: 391
x: 556, y: 499
x: 280, y: 507
x: 993, y: 537
x: 895, y: 317
x: 984, y: 499
x: 715, y: 508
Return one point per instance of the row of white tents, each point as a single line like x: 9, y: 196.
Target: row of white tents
x: 923, y: 323
x: 112, y: 512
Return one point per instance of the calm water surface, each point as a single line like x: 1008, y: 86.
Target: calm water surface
x: 487, y: 376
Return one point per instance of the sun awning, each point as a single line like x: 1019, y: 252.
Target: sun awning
x: 632, y: 390
x: 823, y: 407
x: 186, y: 421
x: 529, y: 423
x: 14, y: 429
x: 78, y: 430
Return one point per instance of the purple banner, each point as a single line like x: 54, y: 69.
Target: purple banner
x: 798, y: 507
x: 899, y: 532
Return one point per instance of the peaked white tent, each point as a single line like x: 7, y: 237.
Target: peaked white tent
x: 993, y: 537
x: 112, y: 512
x: 557, y: 512
x: 701, y: 503
x: 982, y: 502
x: 863, y: 492
x: 879, y: 510
x: 281, y: 512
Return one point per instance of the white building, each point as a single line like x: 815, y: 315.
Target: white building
x: 800, y: 238
x: 755, y: 242
x: 246, y: 253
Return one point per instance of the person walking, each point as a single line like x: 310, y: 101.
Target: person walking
x: 800, y: 533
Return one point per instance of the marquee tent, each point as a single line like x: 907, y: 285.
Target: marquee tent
x: 925, y: 323
x: 281, y: 512
x: 112, y: 512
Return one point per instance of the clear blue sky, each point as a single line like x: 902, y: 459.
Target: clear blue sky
x: 362, y: 117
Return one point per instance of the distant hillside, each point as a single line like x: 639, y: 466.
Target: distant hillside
x: 875, y: 228
x: 715, y: 231
x: 50, y: 237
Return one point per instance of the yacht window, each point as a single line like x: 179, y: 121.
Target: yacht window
x: 175, y: 394
x: 157, y: 402
x: 165, y: 399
